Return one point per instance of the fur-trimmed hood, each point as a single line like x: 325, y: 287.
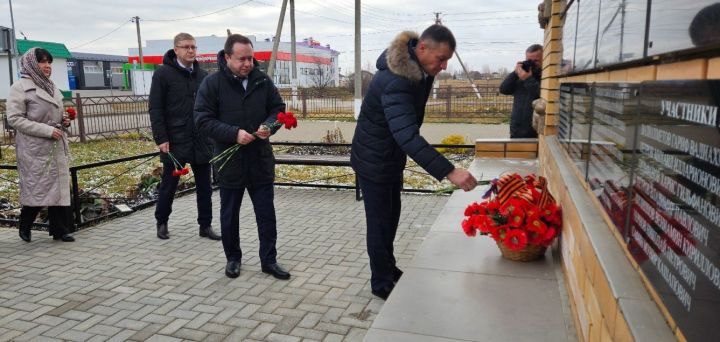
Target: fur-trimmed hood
x: 400, y: 58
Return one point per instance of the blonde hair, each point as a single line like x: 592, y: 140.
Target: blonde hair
x: 182, y: 36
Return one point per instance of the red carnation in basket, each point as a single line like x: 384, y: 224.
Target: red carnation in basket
x: 523, y: 220
x: 515, y: 239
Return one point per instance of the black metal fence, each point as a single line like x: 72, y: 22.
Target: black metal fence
x: 446, y: 104
x: 101, y: 117
x: 90, y: 206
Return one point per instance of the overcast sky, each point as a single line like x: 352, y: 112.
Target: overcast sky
x: 490, y: 33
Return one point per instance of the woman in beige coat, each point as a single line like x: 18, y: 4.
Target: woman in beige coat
x: 35, y: 110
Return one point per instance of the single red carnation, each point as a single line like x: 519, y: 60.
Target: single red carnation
x: 493, y: 206
x: 474, y: 209
x: 549, y: 236
x: 483, y: 223
x: 537, y: 226
x: 516, y: 220
x: 467, y: 227
x: 185, y: 170
x: 176, y: 173
x: 72, y: 114
x: 515, y: 239
x: 498, y: 232
x: 533, y: 213
x: 290, y: 121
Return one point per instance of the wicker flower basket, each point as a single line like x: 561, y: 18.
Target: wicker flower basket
x: 529, y: 253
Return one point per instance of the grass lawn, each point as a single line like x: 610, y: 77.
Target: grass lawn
x: 127, y: 179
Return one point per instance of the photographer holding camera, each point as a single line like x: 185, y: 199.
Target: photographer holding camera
x: 524, y: 85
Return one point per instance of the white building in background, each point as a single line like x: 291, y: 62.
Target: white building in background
x: 317, y: 65
x: 59, y: 75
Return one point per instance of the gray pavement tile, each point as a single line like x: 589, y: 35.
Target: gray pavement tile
x: 274, y: 337
x: 66, y: 289
x: 74, y: 335
x: 191, y: 334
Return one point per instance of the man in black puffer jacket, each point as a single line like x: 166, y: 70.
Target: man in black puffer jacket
x: 388, y: 130
x: 172, y: 96
x: 235, y: 106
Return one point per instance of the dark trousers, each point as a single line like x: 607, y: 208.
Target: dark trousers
x: 262, y: 197
x: 382, y: 213
x: 203, y: 189
x: 59, y: 219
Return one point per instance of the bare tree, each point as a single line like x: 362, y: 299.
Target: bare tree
x: 444, y: 76
x: 322, y: 77
x: 366, y: 78
x: 486, y: 71
x: 503, y: 71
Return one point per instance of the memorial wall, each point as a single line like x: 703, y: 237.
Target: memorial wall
x: 650, y: 152
x: 635, y: 110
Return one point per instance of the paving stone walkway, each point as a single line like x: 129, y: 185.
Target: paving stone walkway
x: 119, y: 282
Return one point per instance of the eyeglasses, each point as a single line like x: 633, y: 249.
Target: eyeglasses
x: 187, y: 47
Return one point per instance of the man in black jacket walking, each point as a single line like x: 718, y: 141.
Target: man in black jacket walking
x: 236, y: 105
x: 524, y: 86
x: 388, y: 130
x: 172, y: 96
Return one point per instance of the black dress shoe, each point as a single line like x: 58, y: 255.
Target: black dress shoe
x: 397, y: 273
x: 383, y: 293
x: 162, y: 231
x: 232, y: 269
x: 209, y: 233
x: 276, y: 270
x: 25, y: 235
x: 64, y: 238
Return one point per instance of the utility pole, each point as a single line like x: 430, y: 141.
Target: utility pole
x: 293, y: 52
x: 13, y: 43
x: 358, y: 69
x: 467, y: 74
x: 276, y: 41
x: 140, y: 54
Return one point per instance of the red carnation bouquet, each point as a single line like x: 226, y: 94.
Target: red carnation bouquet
x: 179, y: 169
x: 286, y: 119
x: 519, y: 213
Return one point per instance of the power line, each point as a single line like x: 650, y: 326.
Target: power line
x: 308, y: 13
x: 203, y: 15
x: 103, y: 36
x: 488, y: 12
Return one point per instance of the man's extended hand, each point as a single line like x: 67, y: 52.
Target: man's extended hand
x: 244, y: 138
x: 462, y: 178
x: 522, y: 74
x: 164, y: 147
x: 263, y: 132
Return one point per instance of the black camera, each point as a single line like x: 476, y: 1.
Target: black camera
x: 527, y: 65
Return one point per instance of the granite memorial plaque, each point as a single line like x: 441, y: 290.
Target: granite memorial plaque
x: 614, y: 124
x: 675, y: 218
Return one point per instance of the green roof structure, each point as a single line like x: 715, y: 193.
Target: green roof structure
x: 57, y: 50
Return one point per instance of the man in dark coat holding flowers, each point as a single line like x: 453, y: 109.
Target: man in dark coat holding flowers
x: 172, y: 96
x: 237, y: 105
x: 388, y: 131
